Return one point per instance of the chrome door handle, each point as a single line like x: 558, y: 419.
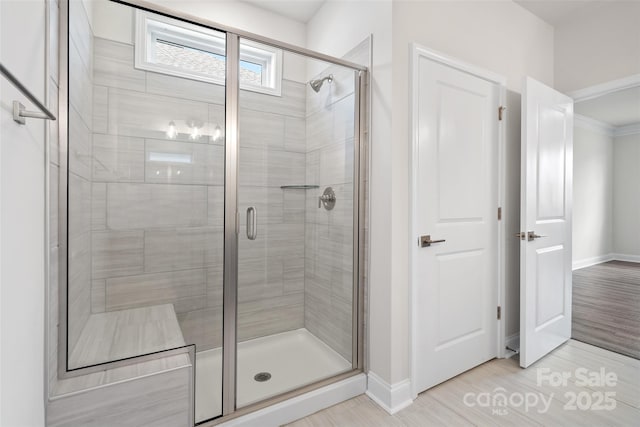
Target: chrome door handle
x: 426, y: 241
x: 252, y: 223
x: 531, y: 235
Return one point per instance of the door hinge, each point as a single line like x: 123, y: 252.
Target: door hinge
x: 500, y: 111
x: 499, y: 214
x: 499, y: 312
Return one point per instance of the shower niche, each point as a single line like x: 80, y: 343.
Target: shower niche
x: 212, y: 196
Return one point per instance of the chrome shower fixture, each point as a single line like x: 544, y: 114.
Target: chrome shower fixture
x: 317, y: 84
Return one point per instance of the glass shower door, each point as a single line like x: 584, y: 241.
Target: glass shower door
x: 295, y: 281
x: 145, y: 174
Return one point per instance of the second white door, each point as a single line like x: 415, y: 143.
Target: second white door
x: 455, y: 192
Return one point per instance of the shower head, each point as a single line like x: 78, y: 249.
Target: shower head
x: 317, y: 84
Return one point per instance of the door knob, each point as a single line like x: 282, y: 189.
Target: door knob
x: 531, y: 235
x: 426, y: 241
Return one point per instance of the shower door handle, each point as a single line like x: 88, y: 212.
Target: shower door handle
x: 252, y: 223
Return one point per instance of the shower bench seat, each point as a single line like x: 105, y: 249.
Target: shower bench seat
x: 121, y: 334
x: 157, y: 392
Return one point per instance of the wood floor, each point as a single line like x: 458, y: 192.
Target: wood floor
x: 444, y: 405
x: 606, y: 306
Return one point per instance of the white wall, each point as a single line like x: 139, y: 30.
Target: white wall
x: 596, y: 45
x: 592, y: 195
x: 22, y: 247
x: 626, y: 197
x: 336, y: 28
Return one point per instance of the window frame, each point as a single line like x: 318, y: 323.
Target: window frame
x: 151, y: 27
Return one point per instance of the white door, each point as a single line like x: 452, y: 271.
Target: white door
x: 455, y: 199
x: 546, y: 198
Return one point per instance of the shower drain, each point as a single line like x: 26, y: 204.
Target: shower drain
x: 262, y: 377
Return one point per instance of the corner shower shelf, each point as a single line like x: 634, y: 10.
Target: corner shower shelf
x: 299, y: 187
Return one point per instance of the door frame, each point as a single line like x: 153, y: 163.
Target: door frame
x: 417, y: 52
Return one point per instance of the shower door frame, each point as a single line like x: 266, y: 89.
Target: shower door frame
x: 231, y: 213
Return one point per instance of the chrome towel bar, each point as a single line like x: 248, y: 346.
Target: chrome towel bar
x: 19, y: 112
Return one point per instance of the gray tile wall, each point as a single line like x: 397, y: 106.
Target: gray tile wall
x: 329, y: 234
x: 157, y: 204
x: 79, y: 178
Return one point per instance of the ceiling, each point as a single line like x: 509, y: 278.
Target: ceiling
x: 298, y: 10
x: 620, y: 108
x: 555, y: 11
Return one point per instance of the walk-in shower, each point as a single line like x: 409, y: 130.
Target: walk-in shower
x: 211, y: 196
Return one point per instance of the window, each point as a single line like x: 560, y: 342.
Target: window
x: 168, y: 46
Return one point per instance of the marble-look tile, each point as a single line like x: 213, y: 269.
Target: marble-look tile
x: 118, y: 158
x: 176, y: 249
x: 186, y: 290
x: 80, y: 33
x: 79, y: 289
x: 81, y: 87
x: 267, y: 201
x: 259, y: 129
x: 148, y: 116
x: 291, y: 103
x: 135, y: 206
x: 116, y: 253
x: 128, y: 403
x: 113, y: 66
x: 328, y: 246
x: 320, y: 128
x: 215, y: 205
x: 293, y: 270
x: 342, y: 212
x: 260, y: 279
x: 100, y: 109
x: 98, y: 295
x: 178, y: 87
x: 79, y: 205
x: 79, y: 145
x: 175, y: 162
x: 270, y: 316
x: 98, y: 206
x: 294, y: 204
x: 273, y: 168
x: 344, y: 119
x: 202, y: 327
x: 215, y: 280
x: 295, y: 134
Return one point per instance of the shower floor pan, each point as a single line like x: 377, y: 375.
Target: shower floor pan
x: 293, y: 359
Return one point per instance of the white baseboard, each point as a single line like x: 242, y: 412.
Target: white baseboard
x: 626, y: 257
x: 303, y: 405
x: 588, y: 262
x: 390, y: 397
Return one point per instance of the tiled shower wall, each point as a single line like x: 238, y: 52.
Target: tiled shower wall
x: 157, y: 203
x: 79, y: 177
x: 329, y: 234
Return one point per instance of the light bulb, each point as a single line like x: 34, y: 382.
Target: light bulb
x: 172, y: 132
x: 217, y: 133
x: 195, y: 133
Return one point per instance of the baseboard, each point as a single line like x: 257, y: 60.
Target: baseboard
x: 303, y: 405
x: 588, y: 262
x: 626, y: 257
x: 390, y: 397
